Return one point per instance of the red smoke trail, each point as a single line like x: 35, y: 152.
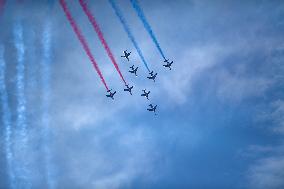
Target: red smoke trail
x: 82, y: 40
x: 101, y: 36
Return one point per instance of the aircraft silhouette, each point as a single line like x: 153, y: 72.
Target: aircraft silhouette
x: 169, y: 64
x: 133, y: 70
x: 152, y: 108
x: 110, y: 95
x: 126, y: 55
x: 152, y: 76
x: 146, y: 94
x: 128, y: 89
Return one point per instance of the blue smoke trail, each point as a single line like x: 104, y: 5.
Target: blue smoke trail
x: 22, y: 171
x: 45, y: 121
x: 6, y: 119
x: 127, y: 30
x: 146, y: 24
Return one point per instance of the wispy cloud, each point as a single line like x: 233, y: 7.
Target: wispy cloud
x: 267, y: 173
x: 237, y: 87
x: 268, y: 169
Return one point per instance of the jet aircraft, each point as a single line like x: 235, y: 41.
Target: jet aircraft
x: 146, y: 94
x: 128, y: 89
x: 152, y: 76
x: 126, y: 55
x: 110, y: 95
x: 133, y: 70
x: 152, y: 108
x: 169, y: 64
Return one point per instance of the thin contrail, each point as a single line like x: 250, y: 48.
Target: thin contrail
x: 141, y: 15
x: 101, y: 36
x: 45, y: 117
x: 82, y: 40
x: 21, y: 147
x: 128, y: 31
x: 6, y: 119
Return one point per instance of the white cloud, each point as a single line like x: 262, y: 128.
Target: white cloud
x: 267, y: 173
x: 236, y: 87
x: 278, y: 115
x: 268, y: 170
x: 188, y: 66
x: 111, y: 158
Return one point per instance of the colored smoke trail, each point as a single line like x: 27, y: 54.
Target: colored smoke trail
x: 127, y: 30
x: 21, y: 146
x: 45, y: 117
x: 101, y: 36
x: 6, y: 119
x: 146, y: 24
x: 82, y: 40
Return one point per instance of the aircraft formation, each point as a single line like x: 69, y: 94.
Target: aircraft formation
x: 123, y: 21
x: 133, y: 70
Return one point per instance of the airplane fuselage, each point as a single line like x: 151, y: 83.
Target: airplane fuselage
x: 128, y: 89
x: 126, y: 55
x: 153, y: 77
x: 110, y: 95
x: 146, y: 94
x: 152, y: 109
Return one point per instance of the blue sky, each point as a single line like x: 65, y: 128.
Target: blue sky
x: 220, y: 121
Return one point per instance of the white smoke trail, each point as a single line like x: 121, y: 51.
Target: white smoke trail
x: 22, y: 173
x: 45, y: 83
x: 6, y: 119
